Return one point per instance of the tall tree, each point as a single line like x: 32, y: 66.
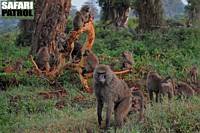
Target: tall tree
x: 193, y: 10
x: 115, y: 11
x: 150, y: 14
x: 49, y: 23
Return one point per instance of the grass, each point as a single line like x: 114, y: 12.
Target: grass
x: 170, y: 53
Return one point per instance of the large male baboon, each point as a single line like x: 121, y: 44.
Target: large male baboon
x: 114, y: 92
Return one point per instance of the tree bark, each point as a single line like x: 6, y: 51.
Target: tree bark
x: 115, y: 13
x: 193, y: 10
x: 49, y: 23
x: 150, y: 14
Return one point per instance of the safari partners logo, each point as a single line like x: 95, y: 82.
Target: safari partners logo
x: 16, y: 9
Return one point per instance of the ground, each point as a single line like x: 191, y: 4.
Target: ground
x: 170, y: 52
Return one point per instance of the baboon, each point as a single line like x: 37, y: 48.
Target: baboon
x: 112, y: 91
x: 196, y: 88
x: 18, y: 65
x: 15, y: 67
x: 166, y: 87
x: 43, y: 58
x: 127, y: 60
x: 193, y: 73
x: 81, y: 17
x: 183, y: 89
x: 90, y: 61
x: 138, y: 102
x: 76, y: 53
x: 153, y: 83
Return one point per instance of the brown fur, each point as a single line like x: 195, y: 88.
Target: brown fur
x: 166, y: 88
x: 90, y: 61
x: 138, y: 102
x: 81, y: 17
x: 112, y: 91
x: 193, y: 73
x: 18, y: 65
x: 127, y: 60
x: 14, y: 68
x: 155, y: 83
x: 183, y: 89
x: 43, y: 58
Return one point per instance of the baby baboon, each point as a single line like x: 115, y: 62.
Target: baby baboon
x: 81, y: 17
x: 90, y: 61
x: 127, y: 61
x: 114, y: 92
x: 193, y: 73
x: 183, y: 89
x: 42, y: 59
x: 153, y: 83
x: 138, y: 102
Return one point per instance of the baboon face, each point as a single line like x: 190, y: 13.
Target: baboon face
x: 103, y: 74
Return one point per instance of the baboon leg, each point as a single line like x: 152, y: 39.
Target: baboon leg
x: 157, y: 95
x: 160, y: 95
x: 99, y: 110
x: 151, y: 95
x: 170, y: 95
x: 122, y: 111
x: 109, y: 111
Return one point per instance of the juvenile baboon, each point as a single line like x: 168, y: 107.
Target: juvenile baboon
x: 18, y: 65
x: 42, y: 59
x: 112, y: 91
x: 81, y: 17
x: 153, y: 83
x: 138, y: 102
x: 127, y: 60
x: 15, y: 67
x: 166, y: 87
x: 183, y: 89
x: 193, y: 74
x: 90, y: 61
x: 195, y: 88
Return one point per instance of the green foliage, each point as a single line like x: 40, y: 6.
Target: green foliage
x: 169, y: 52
